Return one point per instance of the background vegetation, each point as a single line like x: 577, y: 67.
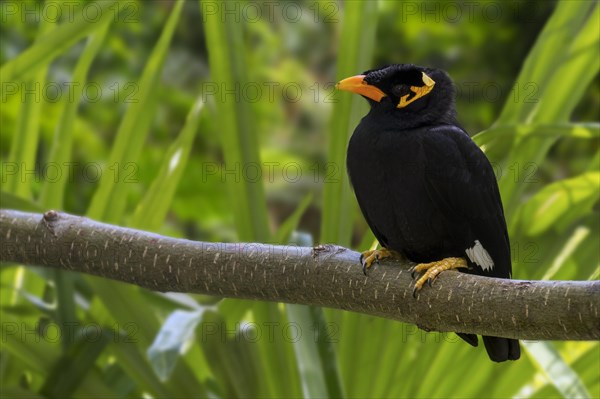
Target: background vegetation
x: 219, y: 122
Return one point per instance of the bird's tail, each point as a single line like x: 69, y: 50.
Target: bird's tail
x: 498, y: 349
x: 471, y: 339
x: 502, y: 349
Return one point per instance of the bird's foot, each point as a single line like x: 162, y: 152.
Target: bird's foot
x: 431, y: 270
x: 367, y: 258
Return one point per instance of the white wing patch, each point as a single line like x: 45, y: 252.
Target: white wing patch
x: 478, y: 255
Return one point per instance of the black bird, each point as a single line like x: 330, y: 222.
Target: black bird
x: 424, y: 187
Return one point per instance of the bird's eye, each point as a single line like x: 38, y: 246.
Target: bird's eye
x: 401, y: 89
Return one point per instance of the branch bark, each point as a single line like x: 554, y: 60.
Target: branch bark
x: 329, y: 276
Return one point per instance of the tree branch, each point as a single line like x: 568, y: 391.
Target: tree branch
x: 327, y: 276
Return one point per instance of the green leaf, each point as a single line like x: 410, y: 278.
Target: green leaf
x: 233, y: 357
x: 24, y: 148
x: 11, y: 201
x: 65, y: 314
x: 131, y: 360
x: 174, y: 337
x: 53, y: 44
x: 317, y: 362
x: 278, y: 365
x: 70, y: 369
x: 124, y: 308
x: 558, y: 204
x: 286, y: 229
x: 549, y: 52
x: 573, y: 247
x: 238, y: 127
x: 151, y: 212
x: 556, y: 369
x: 355, y: 56
x: 38, y: 357
x: 109, y: 201
x: 237, y: 124
x: 563, y: 89
x: 496, y: 141
x: 60, y: 153
x: 559, y: 66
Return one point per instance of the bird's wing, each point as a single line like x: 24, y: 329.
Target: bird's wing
x: 460, y: 181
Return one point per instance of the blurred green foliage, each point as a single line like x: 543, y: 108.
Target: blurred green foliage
x: 218, y: 121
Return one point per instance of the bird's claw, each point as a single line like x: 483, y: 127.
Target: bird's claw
x: 365, y: 267
x: 418, y: 287
x: 367, y: 258
x: 433, y: 269
x: 415, y: 292
x: 367, y: 261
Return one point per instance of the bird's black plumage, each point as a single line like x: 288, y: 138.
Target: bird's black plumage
x: 424, y: 187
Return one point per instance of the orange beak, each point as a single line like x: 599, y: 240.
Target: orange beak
x: 356, y: 84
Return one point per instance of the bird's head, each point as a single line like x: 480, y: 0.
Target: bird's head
x: 412, y: 94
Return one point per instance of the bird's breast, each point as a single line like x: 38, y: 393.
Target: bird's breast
x: 384, y: 157
x: 387, y: 173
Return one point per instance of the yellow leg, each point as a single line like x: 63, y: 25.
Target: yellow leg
x: 367, y: 258
x: 431, y: 270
